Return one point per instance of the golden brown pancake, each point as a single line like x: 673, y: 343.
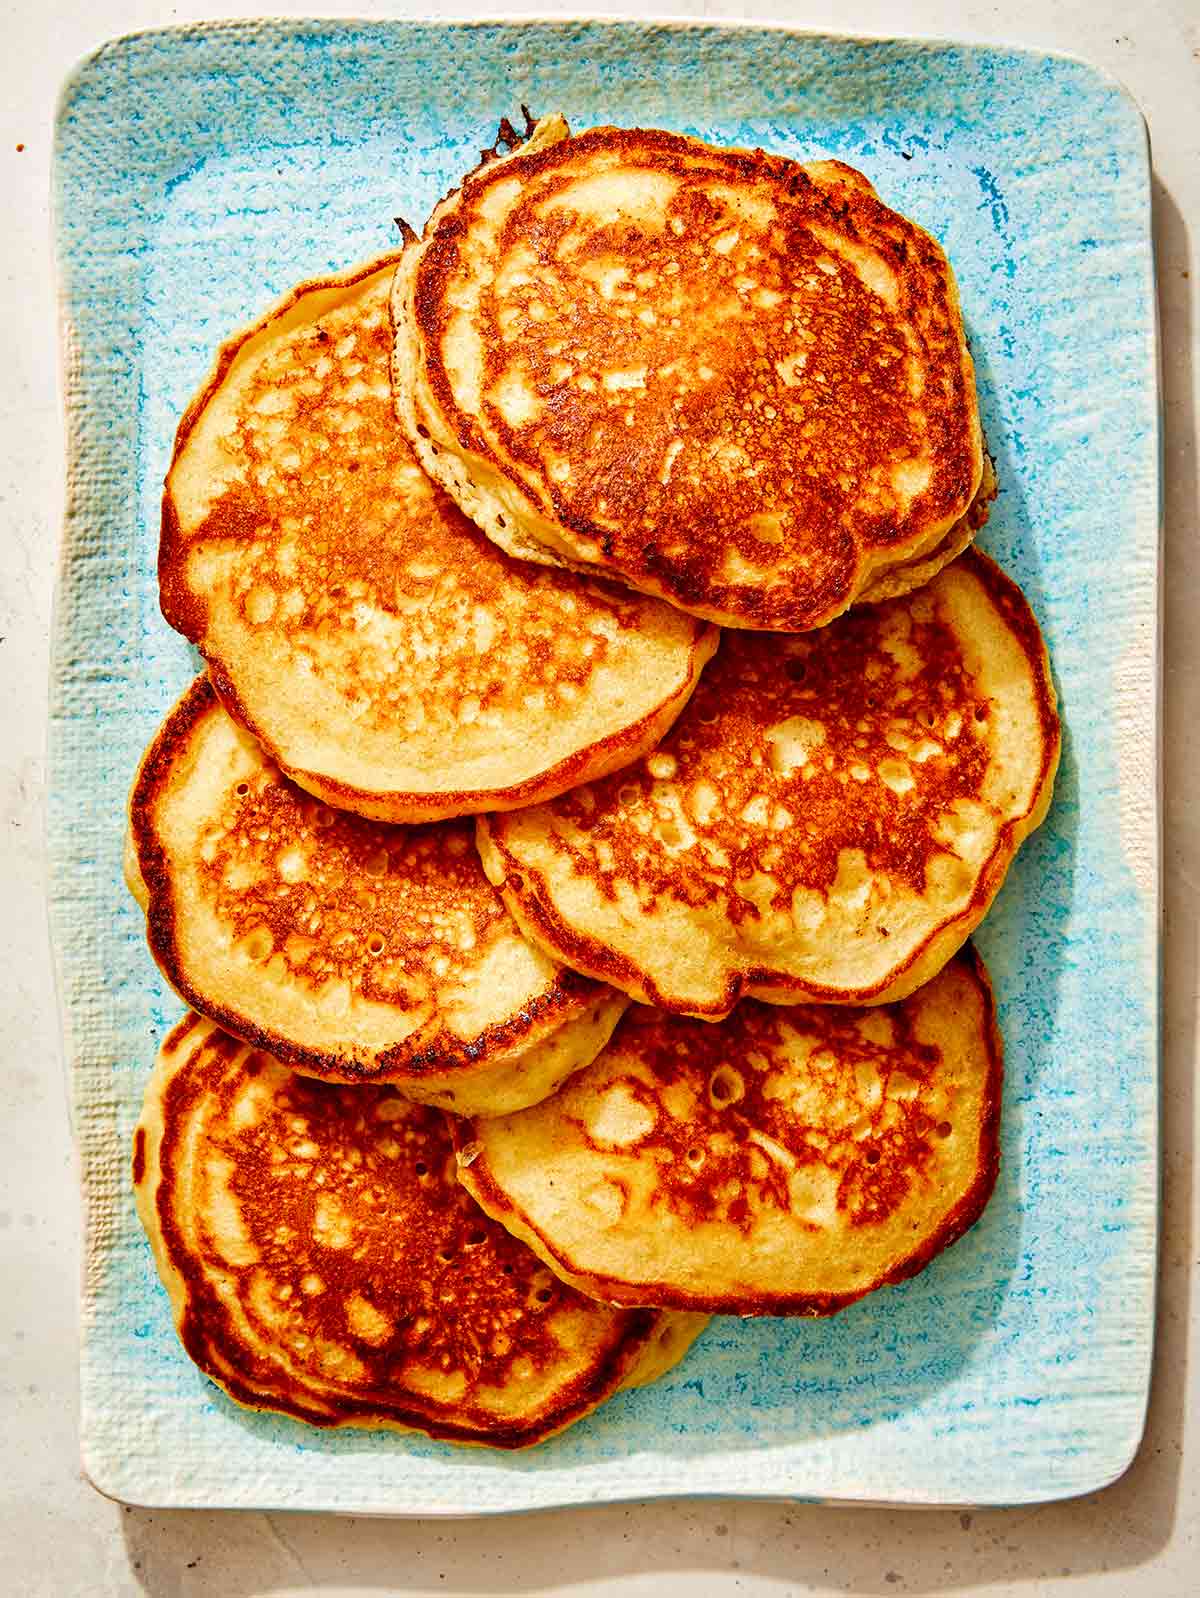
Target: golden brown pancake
x: 323, y: 1262
x: 720, y: 376
x: 828, y: 820
x: 391, y: 659
x: 784, y: 1162
x: 352, y: 950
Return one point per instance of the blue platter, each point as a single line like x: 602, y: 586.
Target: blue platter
x: 202, y: 172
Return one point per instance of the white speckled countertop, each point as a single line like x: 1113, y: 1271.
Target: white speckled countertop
x: 57, y: 1536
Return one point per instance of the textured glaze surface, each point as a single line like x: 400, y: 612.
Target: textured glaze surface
x: 201, y: 174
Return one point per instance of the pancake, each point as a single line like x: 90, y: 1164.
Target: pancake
x: 828, y: 820
x: 722, y: 377
x: 391, y: 659
x: 323, y: 1262
x: 352, y: 950
x: 784, y: 1162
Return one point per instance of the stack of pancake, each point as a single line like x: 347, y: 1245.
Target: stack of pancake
x: 556, y: 977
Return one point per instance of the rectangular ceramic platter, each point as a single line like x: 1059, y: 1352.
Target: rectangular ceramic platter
x: 201, y: 173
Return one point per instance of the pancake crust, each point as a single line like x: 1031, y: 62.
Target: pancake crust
x: 784, y: 1162
x: 392, y: 660
x: 351, y: 950
x: 828, y: 820
x: 725, y: 378
x: 322, y: 1261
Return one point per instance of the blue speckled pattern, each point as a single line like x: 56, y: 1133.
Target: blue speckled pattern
x: 202, y: 172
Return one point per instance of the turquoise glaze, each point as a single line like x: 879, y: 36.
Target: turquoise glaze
x: 202, y: 172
